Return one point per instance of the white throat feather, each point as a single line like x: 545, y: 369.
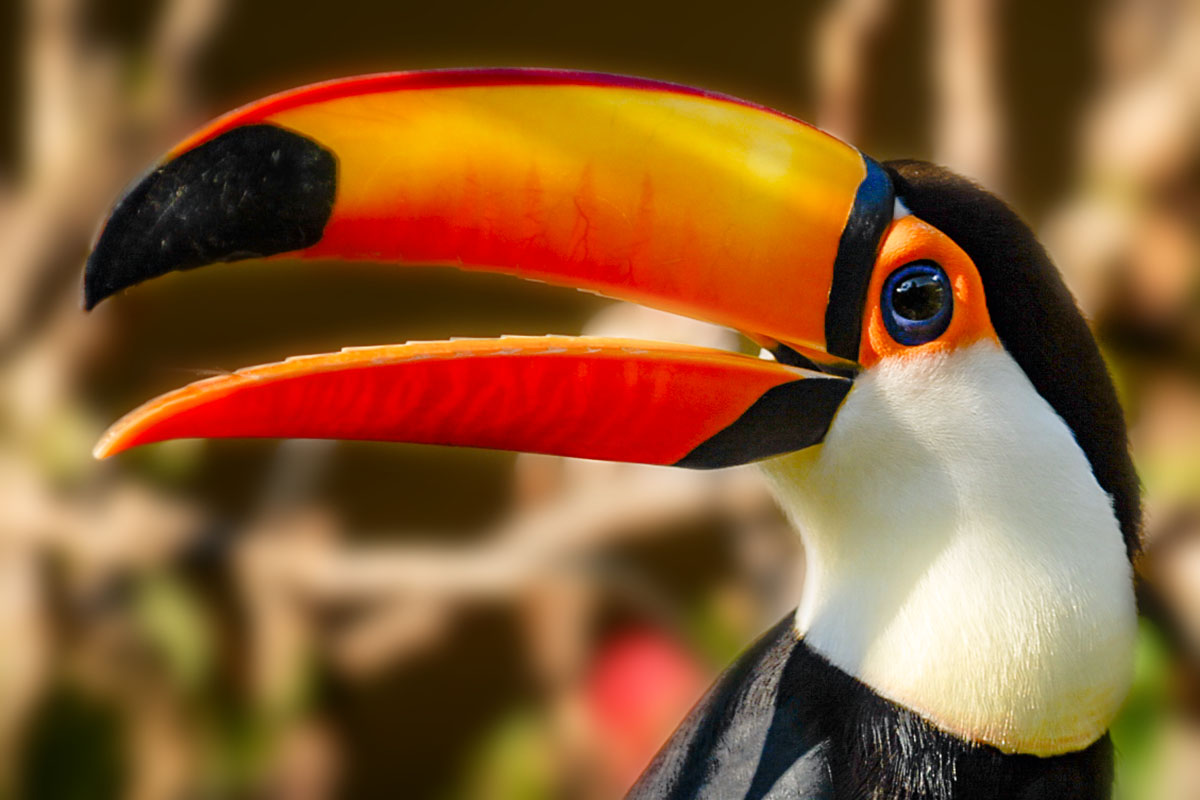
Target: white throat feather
x: 962, y: 559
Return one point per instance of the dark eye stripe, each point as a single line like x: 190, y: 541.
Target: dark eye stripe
x: 917, y: 303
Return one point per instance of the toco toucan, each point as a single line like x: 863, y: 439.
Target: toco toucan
x: 930, y: 407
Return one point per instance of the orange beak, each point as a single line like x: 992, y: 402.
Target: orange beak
x: 671, y: 197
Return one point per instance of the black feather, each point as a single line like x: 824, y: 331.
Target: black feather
x: 784, y: 723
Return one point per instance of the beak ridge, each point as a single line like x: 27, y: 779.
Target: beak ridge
x: 670, y: 197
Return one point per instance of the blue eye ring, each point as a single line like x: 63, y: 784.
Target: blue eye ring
x: 917, y: 303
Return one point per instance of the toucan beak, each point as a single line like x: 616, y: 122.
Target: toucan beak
x: 666, y: 196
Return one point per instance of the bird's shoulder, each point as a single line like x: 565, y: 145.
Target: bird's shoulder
x: 782, y: 722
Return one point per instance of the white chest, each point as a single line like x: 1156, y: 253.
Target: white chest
x: 963, y: 561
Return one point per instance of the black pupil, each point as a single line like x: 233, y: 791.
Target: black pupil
x: 918, y: 298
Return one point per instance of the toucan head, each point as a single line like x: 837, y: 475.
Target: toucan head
x: 928, y: 385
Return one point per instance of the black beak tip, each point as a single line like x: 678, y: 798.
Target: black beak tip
x: 253, y: 191
x: 92, y: 294
x: 97, y: 279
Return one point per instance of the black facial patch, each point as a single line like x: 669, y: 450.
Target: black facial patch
x: 1035, y: 317
x: 254, y: 191
x: 788, y: 417
x: 874, y: 207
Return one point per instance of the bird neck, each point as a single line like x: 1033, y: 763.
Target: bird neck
x: 962, y: 559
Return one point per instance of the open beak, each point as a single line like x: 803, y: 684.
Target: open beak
x: 671, y: 197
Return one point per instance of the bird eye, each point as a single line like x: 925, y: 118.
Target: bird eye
x: 917, y: 303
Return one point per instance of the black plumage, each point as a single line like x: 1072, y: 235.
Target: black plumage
x: 784, y: 723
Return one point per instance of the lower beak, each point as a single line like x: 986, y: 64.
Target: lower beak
x: 675, y: 198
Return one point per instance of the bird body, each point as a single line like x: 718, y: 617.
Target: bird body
x: 936, y: 418
x: 783, y: 724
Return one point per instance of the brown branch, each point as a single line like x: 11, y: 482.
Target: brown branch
x: 845, y: 38
x: 411, y: 593
x: 968, y: 134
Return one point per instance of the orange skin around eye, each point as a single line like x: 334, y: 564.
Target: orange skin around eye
x: 911, y: 239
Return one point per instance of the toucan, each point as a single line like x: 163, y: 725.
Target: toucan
x: 929, y: 405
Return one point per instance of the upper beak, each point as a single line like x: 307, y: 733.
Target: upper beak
x: 671, y: 197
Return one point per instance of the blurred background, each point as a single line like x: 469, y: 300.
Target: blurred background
x: 316, y: 619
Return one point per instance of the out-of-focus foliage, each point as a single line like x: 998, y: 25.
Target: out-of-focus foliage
x: 1137, y: 733
x: 308, y: 620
